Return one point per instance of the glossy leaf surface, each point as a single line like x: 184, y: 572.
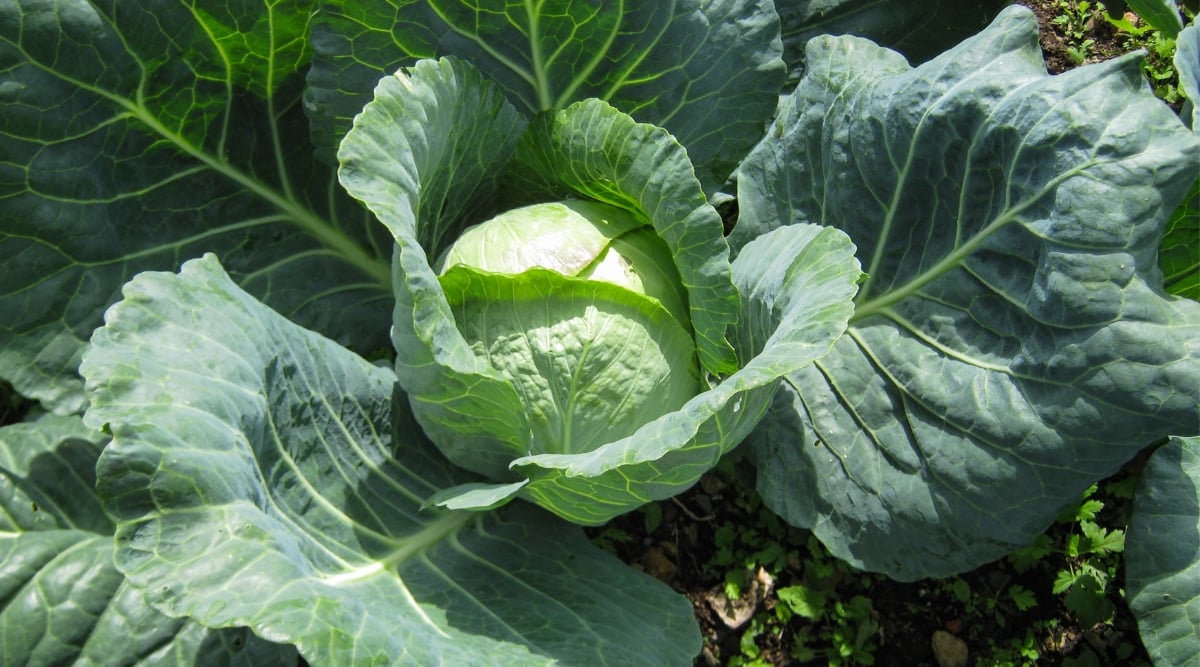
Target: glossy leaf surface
x: 135, y: 136
x: 709, y: 72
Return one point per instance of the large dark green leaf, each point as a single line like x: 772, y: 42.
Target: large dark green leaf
x: 1010, y: 344
x: 262, y: 475
x: 1179, y: 257
x: 137, y: 134
x: 707, y: 71
x: 62, y: 600
x: 1187, y: 63
x: 1162, y: 554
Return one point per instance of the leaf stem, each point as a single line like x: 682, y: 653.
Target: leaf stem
x: 444, y: 526
x: 953, y: 259
x: 545, y: 100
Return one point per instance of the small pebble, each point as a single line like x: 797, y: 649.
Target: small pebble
x: 948, y: 650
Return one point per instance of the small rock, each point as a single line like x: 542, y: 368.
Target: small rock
x: 737, y: 612
x: 658, y: 565
x: 948, y: 650
x: 712, y: 485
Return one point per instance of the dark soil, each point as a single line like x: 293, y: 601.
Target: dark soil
x: 683, y: 547
x: 1107, y: 41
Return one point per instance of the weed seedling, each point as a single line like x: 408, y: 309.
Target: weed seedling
x: 1074, y: 20
x: 1086, y: 557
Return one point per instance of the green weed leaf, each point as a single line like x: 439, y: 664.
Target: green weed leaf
x: 1022, y: 597
x: 1100, y: 540
x: 803, y: 601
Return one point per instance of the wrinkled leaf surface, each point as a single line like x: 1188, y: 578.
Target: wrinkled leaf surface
x: 62, y: 600
x: 1009, y: 345
x: 262, y: 475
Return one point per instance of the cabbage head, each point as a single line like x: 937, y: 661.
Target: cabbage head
x: 568, y: 321
x: 580, y: 306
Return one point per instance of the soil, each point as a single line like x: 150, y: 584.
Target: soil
x: 682, y: 548
x: 909, y: 618
x: 1107, y: 41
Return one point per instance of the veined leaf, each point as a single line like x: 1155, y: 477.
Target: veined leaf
x: 709, y: 72
x: 1179, y: 257
x: 137, y: 135
x: 1187, y: 63
x: 55, y: 537
x: 1162, y: 559
x: 1009, y: 346
x: 438, y: 133
x: 262, y: 475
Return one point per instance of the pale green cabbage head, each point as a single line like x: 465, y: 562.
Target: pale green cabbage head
x: 581, y: 307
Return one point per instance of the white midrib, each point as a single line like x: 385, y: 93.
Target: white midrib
x: 958, y: 256
x: 411, y: 545
x: 321, y: 229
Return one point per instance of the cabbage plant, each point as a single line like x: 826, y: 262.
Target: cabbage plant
x: 339, y: 318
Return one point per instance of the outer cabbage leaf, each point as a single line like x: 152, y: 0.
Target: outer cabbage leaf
x: 707, y: 71
x: 262, y: 475
x: 1162, y: 554
x: 1010, y: 345
x: 136, y: 135
x: 62, y: 600
x: 920, y: 29
x: 1179, y: 257
x: 592, y: 150
x: 1187, y: 63
x: 437, y: 138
